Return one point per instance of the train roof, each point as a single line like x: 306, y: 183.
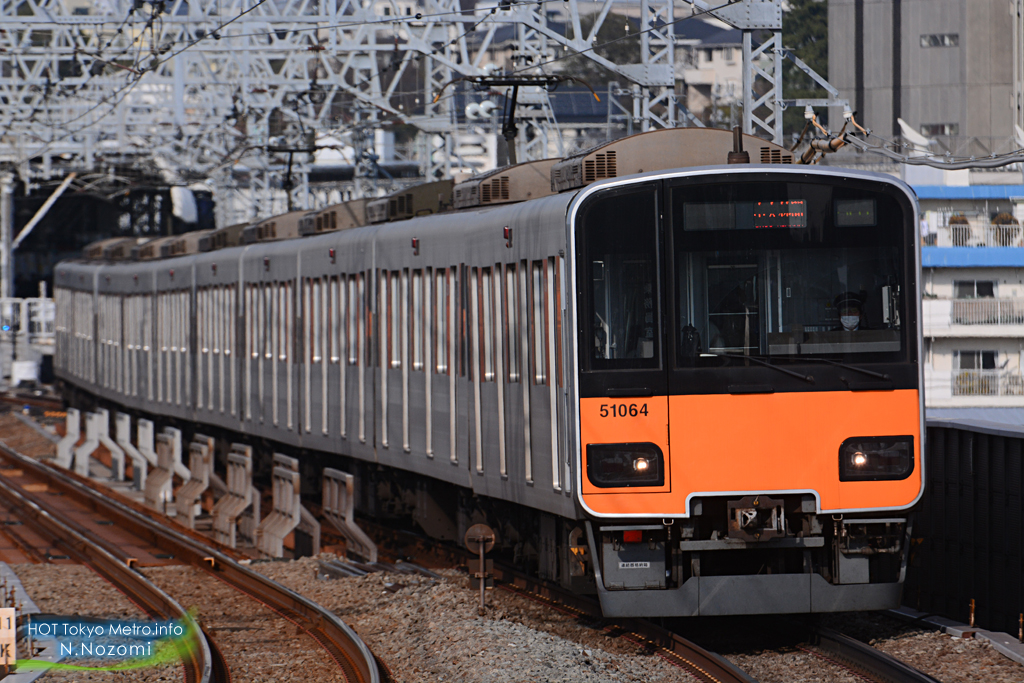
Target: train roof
x: 644, y: 152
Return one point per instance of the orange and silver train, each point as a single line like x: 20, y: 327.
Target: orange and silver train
x: 689, y: 388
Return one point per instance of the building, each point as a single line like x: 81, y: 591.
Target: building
x: 949, y: 68
x: 973, y: 309
x: 709, y: 70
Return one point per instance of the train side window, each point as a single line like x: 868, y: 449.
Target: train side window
x: 510, y: 302
x: 471, y: 321
x: 218, y: 319
x: 337, y: 315
x: 317, y: 330
x: 288, y: 314
x: 267, y: 322
x: 620, y: 269
x: 273, y: 324
x: 441, y: 321
x: 486, y: 307
x: 417, y: 320
x: 282, y: 320
x: 556, y: 286
x: 230, y: 318
x: 538, y: 323
x: 323, y: 329
x: 355, y: 317
x: 394, y: 338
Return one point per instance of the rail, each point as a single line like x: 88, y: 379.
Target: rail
x: 200, y: 659
x: 696, y: 661
x: 987, y: 312
x: 341, y: 642
x: 867, y: 660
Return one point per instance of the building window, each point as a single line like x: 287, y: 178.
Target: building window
x: 728, y: 54
x: 940, y: 128
x: 974, y: 289
x: 387, y: 11
x: 975, y: 360
x: 940, y: 40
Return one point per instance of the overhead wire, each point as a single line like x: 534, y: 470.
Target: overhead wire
x: 124, y: 90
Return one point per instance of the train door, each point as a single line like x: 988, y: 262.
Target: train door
x: 623, y: 381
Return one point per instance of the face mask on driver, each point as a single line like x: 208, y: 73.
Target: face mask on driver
x: 850, y: 322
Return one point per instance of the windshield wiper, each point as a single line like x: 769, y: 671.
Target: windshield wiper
x: 847, y: 366
x: 806, y: 378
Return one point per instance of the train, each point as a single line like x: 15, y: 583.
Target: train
x: 669, y: 377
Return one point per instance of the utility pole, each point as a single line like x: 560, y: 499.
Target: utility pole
x: 6, y: 230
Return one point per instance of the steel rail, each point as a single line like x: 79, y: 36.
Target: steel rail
x: 867, y: 660
x: 196, y: 656
x: 702, y: 664
x: 341, y: 642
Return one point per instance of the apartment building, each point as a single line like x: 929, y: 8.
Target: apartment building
x: 949, y: 68
x: 973, y: 308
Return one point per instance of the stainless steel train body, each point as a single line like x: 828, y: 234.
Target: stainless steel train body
x: 445, y: 346
x: 352, y: 342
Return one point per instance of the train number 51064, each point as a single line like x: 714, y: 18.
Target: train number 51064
x: 623, y: 409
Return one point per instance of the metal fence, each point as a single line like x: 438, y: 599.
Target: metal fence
x: 988, y: 383
x: 969, y: 529
x: 979, y: 235
x: 988, y: 312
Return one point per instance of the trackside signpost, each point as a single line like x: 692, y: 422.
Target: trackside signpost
x: 480, y: 539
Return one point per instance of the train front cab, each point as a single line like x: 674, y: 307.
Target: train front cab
x: 750, y: 413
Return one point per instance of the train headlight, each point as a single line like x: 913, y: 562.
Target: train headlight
x: 883, y: 458
x: 614, y: 465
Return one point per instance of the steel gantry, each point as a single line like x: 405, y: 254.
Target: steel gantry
x: 208, y: 89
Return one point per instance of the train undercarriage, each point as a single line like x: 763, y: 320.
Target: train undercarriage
x: 733, y: 555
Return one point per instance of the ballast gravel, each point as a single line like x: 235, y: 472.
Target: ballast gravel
x: 429, y: 630
x: 258, y: 645
x: 947, y: 658
x: 77, y: 591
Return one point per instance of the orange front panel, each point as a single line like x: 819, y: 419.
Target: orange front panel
x: 625, y: 420
x: 758, y: 443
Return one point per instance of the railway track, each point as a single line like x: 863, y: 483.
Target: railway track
x: 202, y: 661
x: 345, y: 648
x: 673, y: 648
x: 864, y: 660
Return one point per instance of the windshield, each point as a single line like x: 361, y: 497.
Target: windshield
x: 795, y: 270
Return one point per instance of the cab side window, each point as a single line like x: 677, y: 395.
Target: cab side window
x: 621, y: 260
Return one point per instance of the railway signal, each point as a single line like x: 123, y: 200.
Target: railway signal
x: 480, y: 539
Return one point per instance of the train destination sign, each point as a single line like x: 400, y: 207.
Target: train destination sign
x: 786, y: 213
x: 753, y: 215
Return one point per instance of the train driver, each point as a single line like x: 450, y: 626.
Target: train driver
x: 850, y: 307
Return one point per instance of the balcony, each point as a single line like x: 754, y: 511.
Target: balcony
x: 976, y: 235
x: 974, y: 388
x: 973, y: 317
x: 987, y: 383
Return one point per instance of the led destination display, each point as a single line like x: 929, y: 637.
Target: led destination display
x: 777, y: 213
x: 787, y: 213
